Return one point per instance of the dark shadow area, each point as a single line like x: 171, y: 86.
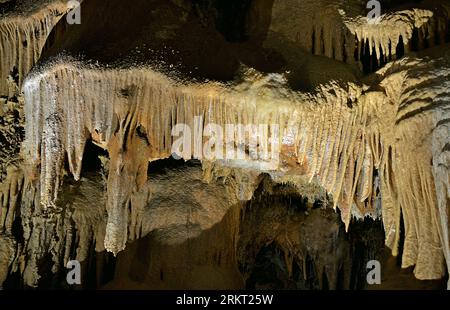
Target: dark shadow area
x: 193, y: 37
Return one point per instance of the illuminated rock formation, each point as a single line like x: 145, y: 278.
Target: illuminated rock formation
x: 376, y: 144
x: 24, y: 29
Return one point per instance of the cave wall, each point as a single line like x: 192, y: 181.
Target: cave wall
x: 362, y: 111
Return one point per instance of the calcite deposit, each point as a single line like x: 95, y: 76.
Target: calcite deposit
x: 305, y: 100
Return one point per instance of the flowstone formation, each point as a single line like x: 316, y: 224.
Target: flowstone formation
x: 305, y: 100
x: 25, y: 26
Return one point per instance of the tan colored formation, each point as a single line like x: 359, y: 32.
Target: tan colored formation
x: 23, y: 34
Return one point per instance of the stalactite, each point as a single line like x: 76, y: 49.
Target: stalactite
x: 51, y: 136
x: 337, y: 145
x: 373, y: 43
x: 359, y: 144
x: 23, y: 34
x: 59, y: 235
x: 316, y: 32
x: 10, y: 195
x: 396, y: 28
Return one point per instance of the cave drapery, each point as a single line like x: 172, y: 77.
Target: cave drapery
x: 361, y: 108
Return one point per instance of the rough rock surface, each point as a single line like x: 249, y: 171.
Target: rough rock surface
x: 375, y: 144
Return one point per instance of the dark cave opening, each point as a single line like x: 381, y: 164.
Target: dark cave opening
x: 447, y: 36
x: 414, y: 45
x: 105, y: 267
x: 14, y: 281
x: 388, y: 4
x: 418, y: 42
x: 313, y: 40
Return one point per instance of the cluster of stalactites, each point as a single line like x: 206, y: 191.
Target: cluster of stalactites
x: 383, y: 34
x: 22, y: 38
x: 131, y: 113
x: 62, y: 236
